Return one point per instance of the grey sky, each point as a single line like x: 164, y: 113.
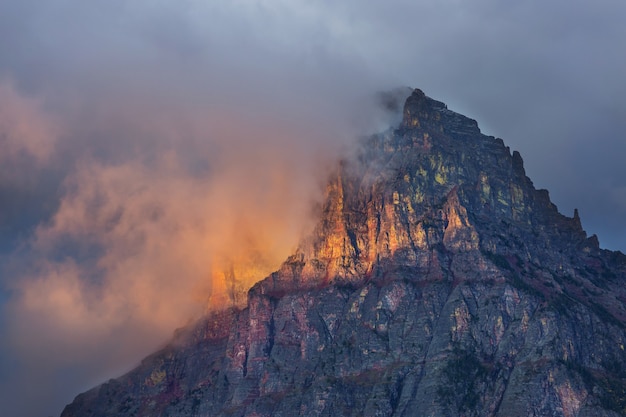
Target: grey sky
x: 192, y: 99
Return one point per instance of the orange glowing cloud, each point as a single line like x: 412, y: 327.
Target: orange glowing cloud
x: 173, y: 193
x: 140, y: 246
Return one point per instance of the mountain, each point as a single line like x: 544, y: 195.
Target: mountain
x: 438, y: 282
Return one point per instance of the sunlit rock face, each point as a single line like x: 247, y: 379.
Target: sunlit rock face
x: 437, y: 282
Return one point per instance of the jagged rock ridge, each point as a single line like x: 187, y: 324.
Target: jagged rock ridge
x: 438, y: 282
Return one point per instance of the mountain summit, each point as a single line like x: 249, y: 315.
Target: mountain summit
x: 438, y: 281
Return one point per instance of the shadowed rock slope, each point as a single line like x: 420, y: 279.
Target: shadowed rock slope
x: 437, y: 282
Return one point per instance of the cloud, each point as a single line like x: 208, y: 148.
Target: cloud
x: 27, y: 133
x: 133, y: 247
x: 147, y: 228
x: 189, y: 164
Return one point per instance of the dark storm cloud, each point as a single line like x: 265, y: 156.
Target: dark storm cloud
x: 157, y: 122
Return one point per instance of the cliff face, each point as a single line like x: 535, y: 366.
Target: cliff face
x: 438, y: 282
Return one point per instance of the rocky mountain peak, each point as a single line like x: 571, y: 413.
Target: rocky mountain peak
x: 438, y: 281
x: 421, y: 111
x: 434, y: 183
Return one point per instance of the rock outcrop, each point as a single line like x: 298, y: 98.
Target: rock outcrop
x: 437, y: 282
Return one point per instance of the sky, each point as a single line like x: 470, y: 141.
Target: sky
x: 147, y: 148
